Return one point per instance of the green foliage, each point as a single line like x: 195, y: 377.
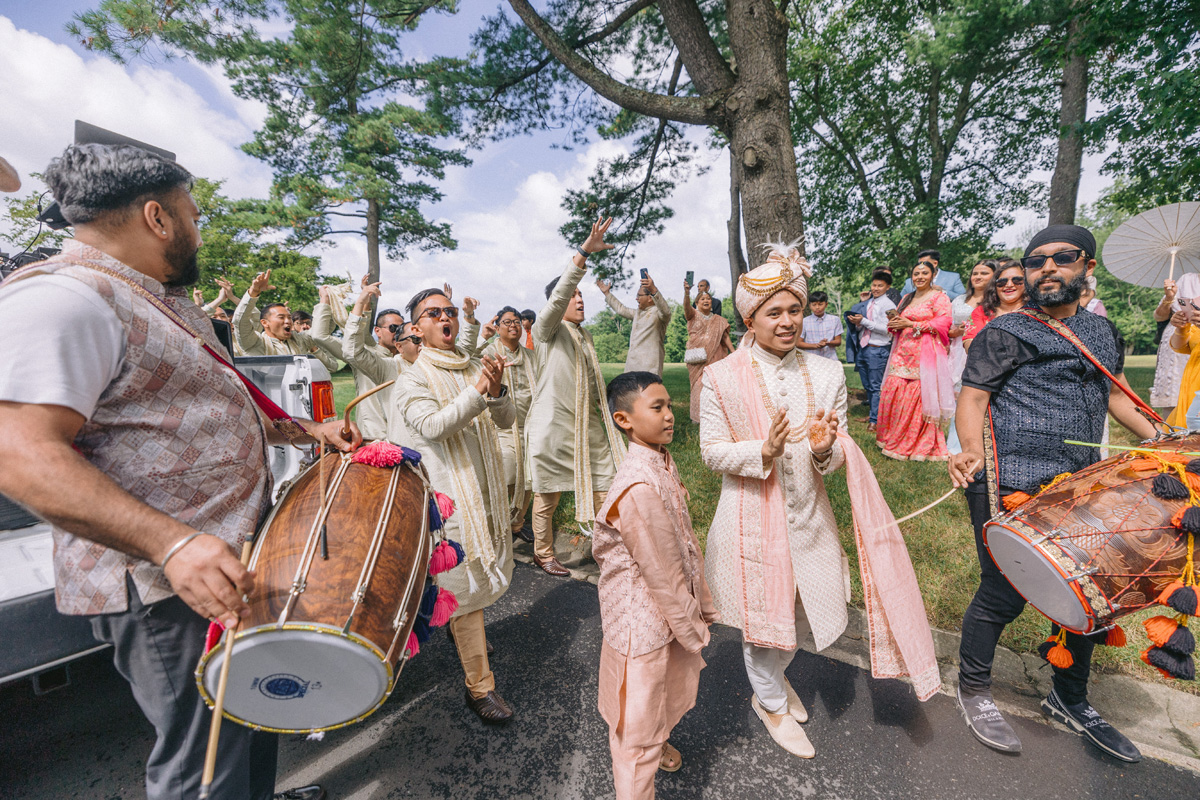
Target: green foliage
x: 916, y: 125
x: 610, y: 335
x: 344, y: 148
x: 19, y: 227
x: 677, y: 334
x: 234, y: 249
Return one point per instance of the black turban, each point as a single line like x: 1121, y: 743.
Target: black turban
x: 1071, y: 234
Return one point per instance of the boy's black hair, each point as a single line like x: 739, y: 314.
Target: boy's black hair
x: 300, y: 315
x: 931, y: 254
x: 818, y: 297
x: 882, y: 275
x: 529, y: 314
x: 624, y: 389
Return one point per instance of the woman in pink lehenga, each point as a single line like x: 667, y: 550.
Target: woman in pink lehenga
x: 918, y: 392
x: 708, y: 341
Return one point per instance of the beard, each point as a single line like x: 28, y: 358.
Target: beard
x: 181, y: 260
x: 1064, y: 294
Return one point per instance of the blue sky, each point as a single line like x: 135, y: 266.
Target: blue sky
x: 504, y: 209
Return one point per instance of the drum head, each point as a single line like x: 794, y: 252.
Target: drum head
x: 1031, y: 573
x: 298, y: 679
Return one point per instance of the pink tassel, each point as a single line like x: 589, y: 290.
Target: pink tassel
x: 445, y: 605
x: 412, y: 647
x: 215, y: 629
x: 444, y: 558
x: 445, y: 505
x: 379, y: 454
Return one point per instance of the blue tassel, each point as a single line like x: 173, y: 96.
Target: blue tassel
x: 435, y: 517
x: 458, y: 551
x: 428, y: 601
x: 411, y: 456
x: 421, y: 630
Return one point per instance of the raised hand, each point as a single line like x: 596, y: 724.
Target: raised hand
x: 197, y: 296
x: 226, y: 290
x: 323, y: 294
x: 261, y: 283
x: 489, y: 330
x: 595, y: 243
x: 776, y: 437
x: 603, y: 285
x: 489, y: 378
x: 449, y: 292
x: 469, y: 304
x: 1169, y: 290
x: 822, y: 433
x: 648, y: 285
x: 370, y: 290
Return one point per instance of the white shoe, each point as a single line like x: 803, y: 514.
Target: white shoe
x: 796, y: 709
x: 786, y: 732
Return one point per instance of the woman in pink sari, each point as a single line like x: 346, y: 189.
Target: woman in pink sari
x: 707, y: 343
x: 918, y: 392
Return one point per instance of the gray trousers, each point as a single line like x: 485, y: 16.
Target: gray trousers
x: 156, y: 649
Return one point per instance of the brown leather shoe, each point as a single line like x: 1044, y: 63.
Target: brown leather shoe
x: 491, y: 708
x: 551, y: 567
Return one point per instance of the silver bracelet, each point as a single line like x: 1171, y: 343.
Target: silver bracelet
x: 582, y: 252
x: 182, y: 543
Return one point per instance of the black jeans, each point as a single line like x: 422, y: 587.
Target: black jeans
x: 997, y: 603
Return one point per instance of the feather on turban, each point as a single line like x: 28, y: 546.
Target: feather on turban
x: 784, y: 268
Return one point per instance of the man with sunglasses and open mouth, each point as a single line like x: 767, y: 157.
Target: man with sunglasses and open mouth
x: 1028, y: 385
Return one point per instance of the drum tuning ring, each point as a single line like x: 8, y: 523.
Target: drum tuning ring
x: 1084, y: 574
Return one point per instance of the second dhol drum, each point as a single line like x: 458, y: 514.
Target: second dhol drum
x: 1097, y: 545
x: 339, y: 585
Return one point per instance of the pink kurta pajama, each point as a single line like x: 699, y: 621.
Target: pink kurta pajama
x: 655, y: 609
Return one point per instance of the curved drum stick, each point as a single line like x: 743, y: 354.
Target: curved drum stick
x: 214, y: 731
x: 359, y: 399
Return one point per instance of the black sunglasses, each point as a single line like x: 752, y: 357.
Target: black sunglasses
x: 410, y: 338
x: 1062, y: 258
x: 436, y: 313
x: 1016, y: 281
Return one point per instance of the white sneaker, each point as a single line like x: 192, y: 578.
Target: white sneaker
x: 786, y: 732
x: 796, y: 709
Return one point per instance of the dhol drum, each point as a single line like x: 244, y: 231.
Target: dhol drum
x: 338, y: 590
x: 1095, y: 546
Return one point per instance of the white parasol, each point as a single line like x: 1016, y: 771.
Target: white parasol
x: 1155, y: 245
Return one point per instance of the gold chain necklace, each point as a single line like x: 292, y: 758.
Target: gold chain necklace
x: 795, y: 433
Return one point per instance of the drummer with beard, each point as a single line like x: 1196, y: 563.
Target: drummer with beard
x: 145, y: 454
x: 1039, y: 390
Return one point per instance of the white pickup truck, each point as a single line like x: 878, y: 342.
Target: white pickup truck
x: 49, y: 641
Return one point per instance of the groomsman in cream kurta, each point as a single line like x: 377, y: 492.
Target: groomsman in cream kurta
x: 272, y: 334
x: 572, y: 442
x: 452, y: 406
x: 773, y: 424
x: 648, y: 337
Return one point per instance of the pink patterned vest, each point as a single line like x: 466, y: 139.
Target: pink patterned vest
x: 175, y: 429
x: 632, y: 623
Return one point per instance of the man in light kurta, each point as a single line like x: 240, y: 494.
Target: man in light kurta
x: 453, y: 406
x: 571, y: 440
x: 647, y: 338
x: 271, y: 334
x: 520, y: 376
x: 655, y: 606
x: 773, y: 423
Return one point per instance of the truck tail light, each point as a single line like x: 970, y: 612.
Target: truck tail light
x: 322, y: 401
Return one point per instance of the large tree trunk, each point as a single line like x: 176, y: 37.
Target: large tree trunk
x: 737, y: 261
x: 759, y: 127
x: 373, y: 246
x: 1064, y: 184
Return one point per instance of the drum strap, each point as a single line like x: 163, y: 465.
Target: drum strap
x: 1062, y: 330
x: 280, y: 419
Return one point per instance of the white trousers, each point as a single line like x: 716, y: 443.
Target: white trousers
x: 765, y: 666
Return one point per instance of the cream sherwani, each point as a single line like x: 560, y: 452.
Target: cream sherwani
x: 648, y: 337
x: 428, y: 425
x: 254, y: 341
x: 550, y: 426
x: 372, y: 364
x: 520, y: 377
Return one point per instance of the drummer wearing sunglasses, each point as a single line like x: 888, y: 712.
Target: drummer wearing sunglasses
x: 1036, y: 389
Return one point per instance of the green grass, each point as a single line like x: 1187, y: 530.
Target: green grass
x: 940, y: 542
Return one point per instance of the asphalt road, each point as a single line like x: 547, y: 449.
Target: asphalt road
x: 873, y: 739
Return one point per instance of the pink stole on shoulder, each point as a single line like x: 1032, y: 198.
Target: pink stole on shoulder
x: 901, y: 642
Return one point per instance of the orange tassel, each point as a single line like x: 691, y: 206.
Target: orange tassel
x: 1159, y: 629
x: 1193, y: 481
x: 1059, y: 656
x: 1015, y: 500
x: 1161, y: 671
x: 1115, y: 637
x: 1171, y: 587
x: 1177, y: 518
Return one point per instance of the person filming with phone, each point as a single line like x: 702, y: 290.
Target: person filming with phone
x: 647, y: 340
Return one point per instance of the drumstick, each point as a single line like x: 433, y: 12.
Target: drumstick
x: 921, y: 511
x: 1130, y: 449
x: 359, y: 399
x: 214, y: 731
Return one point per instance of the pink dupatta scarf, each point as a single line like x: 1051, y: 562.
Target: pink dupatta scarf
x: 901, y: 642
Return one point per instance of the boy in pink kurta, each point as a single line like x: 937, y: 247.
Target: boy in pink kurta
x: 655, y: 606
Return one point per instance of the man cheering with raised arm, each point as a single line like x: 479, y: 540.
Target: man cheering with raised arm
x: 145, y: 453
x: 647, y: 338
x: 272, y: 333
x: 1028, y: 387
x: 452, y: 406
x: 573, y: 444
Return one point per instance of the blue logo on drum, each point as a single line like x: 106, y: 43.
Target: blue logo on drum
x: 282, y: 686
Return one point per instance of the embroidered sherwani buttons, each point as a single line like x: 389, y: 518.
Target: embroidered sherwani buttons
x: 788, y: 455
x: 783, y: 391
x: 788, y: 470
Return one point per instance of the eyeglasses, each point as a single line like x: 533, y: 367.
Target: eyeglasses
x: 436, y: 313
x: 410, y: 338
x: 1017, y: 281
x: 1062, y: 258
x: 512, y: 323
